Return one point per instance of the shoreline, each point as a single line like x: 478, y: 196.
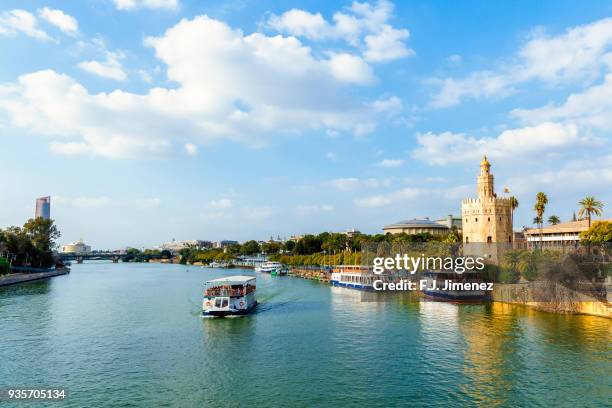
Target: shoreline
x: 16, y: 278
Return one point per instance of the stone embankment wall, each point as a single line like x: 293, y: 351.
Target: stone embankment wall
x: 552, y: 297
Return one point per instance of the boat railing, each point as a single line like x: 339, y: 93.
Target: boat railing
x: 221, y: 291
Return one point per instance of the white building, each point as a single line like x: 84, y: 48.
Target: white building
x: 77, y: 247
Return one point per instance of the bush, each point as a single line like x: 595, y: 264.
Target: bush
x: 4, y: 267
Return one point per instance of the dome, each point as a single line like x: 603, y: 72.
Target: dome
x: 417, y: 223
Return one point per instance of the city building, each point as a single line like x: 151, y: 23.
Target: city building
x: 557, y: 236
x: 416, y: 226
x: 224, y: 244
x: 487, y: 218
x: 350, y: 233
x: 43, y: 208
x: 175, y: 246
x: 451, y: 221
x: 77, y: 247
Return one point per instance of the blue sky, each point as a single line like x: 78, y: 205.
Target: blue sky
x: 148, y: 120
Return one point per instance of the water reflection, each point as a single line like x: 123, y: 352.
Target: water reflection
x: 39, y: 287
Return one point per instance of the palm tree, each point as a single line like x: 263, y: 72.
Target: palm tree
x: 540, y: 207
x: 513, y: 206
x: 553, y: 220
x: 589, y: 205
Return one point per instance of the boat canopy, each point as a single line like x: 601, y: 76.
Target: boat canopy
x: 232, y: 280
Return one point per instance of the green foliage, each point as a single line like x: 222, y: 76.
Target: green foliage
x: 4, y: 266
x: 599, y: 233
x: 250, y: 248
x: 32, y: 244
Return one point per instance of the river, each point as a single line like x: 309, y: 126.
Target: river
x: 121, y: 335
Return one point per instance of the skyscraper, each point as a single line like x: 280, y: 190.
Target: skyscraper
x: 43, y: 207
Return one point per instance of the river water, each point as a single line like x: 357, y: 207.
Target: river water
x: 121, y: 335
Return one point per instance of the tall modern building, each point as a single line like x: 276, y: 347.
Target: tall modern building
x: 43, y: 207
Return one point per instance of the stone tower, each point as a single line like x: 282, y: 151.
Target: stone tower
x: 486, y: 219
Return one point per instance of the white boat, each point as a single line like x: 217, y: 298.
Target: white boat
x: 232, y: 295
x: 273, y: 268
x: 353, y: 276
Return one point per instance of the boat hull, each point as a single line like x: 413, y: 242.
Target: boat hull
x: 223, y: 313
x: 357, y: 286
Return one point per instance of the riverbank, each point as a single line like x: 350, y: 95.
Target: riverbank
x: 552, y: 298
x: 16, y: 278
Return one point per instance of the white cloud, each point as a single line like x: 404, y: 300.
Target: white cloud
x: 221, y: 203
x: 305, y: 210
x: 363, y: 25
x: 576, y: 55
x: 61, y: 20
x: 150, y: 4
x: 331, y: 156
x: 110, y: 68
x: 350, y: 68
x: 390, y: 105
x: 390, y: 163
x: 191, y: 149
x: 591, y: 108
x: 387, y: 44
x: 232, y: 86
x: 353, y: 183
x: 21, y: 21
x: 518, y: 143
x: 148, y: 202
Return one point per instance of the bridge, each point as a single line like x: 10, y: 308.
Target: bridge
x: 92, y: 256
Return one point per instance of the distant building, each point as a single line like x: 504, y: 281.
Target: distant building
x: 486, y: 219
x: 451, y: 221
x: 296, y: 238
x: 43, y: 208
x: 352, y: 232
x: 77, y: 247
x: 175, y: 246
x: 224, y: 244
x: 556, y: 236
x: 416, y: 226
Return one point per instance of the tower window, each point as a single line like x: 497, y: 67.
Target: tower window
x: 467, y: 240
x: 489, y: 240
x: 500, y: 218
x: 489, y: 219
x: 476, y: 220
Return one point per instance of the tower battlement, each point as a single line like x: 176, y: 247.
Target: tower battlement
x: 486, y: 218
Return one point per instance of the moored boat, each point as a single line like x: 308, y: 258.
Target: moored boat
x: 353, y: 276
x: 273, y: 268
x: 231, y: 295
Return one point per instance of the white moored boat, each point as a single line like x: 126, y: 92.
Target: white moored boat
x: 232, y: 295
x: 273, y: 268
x: 353, y: 276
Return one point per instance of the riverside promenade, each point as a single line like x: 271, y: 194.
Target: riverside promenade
x: 15, y: 278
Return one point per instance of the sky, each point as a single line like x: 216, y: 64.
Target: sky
x: 152, y: 120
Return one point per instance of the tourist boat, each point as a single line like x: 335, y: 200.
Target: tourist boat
x: 353, y: 276
x: 450, y: 286
x: 232, y: 295
x: 273, y: 268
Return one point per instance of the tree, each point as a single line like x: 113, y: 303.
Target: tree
x: 514, y: 203
x: 588, y: 206
x: 600, y: 232
x: 540, y: 207
x: 42, y: 232
x: 250, y: 248
x: 289, y: 246
x: 553, y: 220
